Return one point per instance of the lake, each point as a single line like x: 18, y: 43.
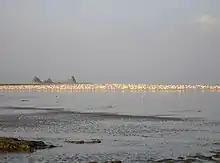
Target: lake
x: 133, y: 126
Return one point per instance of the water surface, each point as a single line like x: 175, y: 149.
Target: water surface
x: 133, y: 126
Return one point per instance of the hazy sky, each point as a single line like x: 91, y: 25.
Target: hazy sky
x: 110, y: 41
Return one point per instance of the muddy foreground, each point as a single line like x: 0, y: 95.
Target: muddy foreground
x: 56, y: 136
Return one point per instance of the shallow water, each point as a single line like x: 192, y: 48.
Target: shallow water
x: 133, y: 127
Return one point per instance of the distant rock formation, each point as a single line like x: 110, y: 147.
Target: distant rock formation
x: 73, y: 79
x: 48, y: 81
x: 36, y: 80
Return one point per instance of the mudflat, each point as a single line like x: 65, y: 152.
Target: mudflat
x: 141, y: 127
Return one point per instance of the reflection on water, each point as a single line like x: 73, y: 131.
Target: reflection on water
x: 185, y: 103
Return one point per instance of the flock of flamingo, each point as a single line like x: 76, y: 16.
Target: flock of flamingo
x: 111, y: 87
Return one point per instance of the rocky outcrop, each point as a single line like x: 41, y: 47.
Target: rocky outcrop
x: 9, y: 144
x: 92, y: 141
x: 48, y: 81
x: 194, y: 158
x: 36, y: 80
x: 73, y: 79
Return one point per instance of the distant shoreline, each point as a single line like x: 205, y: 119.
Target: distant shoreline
x: 91, y: 86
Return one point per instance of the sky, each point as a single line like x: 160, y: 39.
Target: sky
x: 110, y: 41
